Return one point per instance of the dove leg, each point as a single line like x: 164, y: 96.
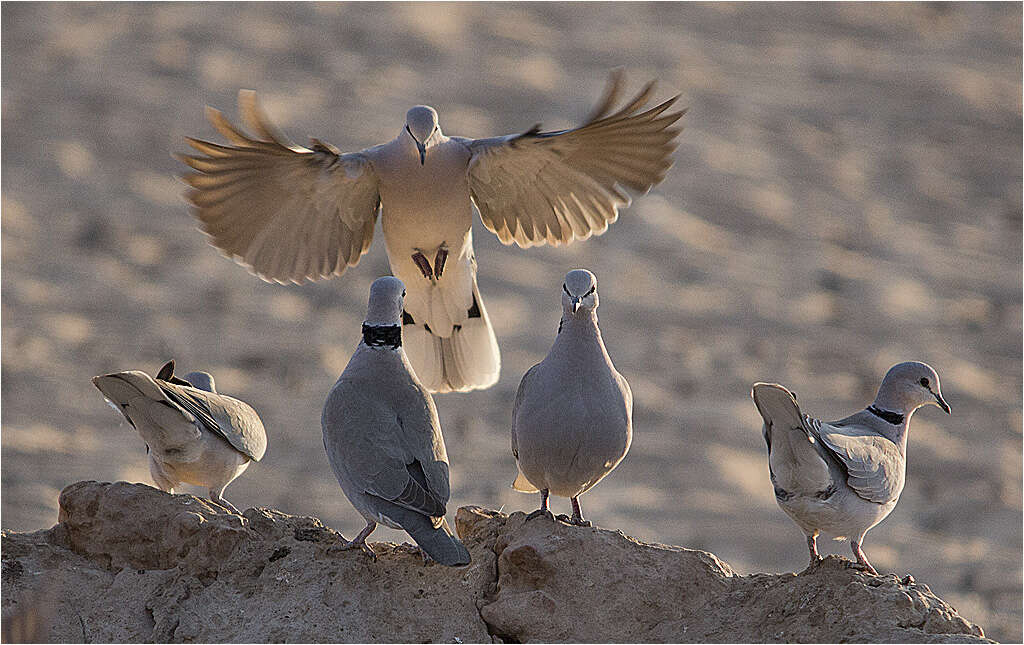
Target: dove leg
x: 439, y: 260
x: 812, y: 546
x: 543, y: 510
x: 218, y: 496
x: 577, y: 515
x: 359, y: 542
x: 424, y: 265
x: 862, y: 559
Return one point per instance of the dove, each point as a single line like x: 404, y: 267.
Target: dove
x: 572, y: 418
x: 383, y: 437
x: 843, y: 477
x: 193, y: 434
x: 292, y: 214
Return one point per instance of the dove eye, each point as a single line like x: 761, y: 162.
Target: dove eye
x: 566, y: 290
x: 403, y: 293
x: 592, y: 289
x: 924, y: 382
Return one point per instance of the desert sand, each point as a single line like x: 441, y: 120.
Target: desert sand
x: 846, y: 195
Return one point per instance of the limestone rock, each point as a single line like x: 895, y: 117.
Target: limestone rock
x: 128, y: 563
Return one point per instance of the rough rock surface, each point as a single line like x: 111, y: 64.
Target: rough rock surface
x: 127, y: 562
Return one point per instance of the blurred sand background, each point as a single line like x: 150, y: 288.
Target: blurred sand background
x: 846, y: 195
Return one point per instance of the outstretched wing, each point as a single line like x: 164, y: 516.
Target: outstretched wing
x: 288, y: 213
x: 556, y: 187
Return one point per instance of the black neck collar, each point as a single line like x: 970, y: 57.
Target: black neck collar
x: 389, y: 336
x: 894, y: 418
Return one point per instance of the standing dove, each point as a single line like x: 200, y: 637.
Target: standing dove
x: 193, y: 434
x: 844, y: 477
x: 290, y: 213
x: 383, y: 438
x: 572, y: 419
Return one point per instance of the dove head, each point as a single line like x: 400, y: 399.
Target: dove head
x: 908, y: 386
x: 201, y: 381
x: 579, y: 292
x: 387, y: 299
x: 421, y: 125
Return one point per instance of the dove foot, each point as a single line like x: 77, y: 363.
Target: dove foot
x: 575, y: 521
x: 424, y: 265
x: 439, y: 260
x: 541, y: 512
x: 577, y: 514
x: 216, y: 497
x: 353, y: 544
x: 359, y: 542
x: 812, y: 548
x: 862, y: 560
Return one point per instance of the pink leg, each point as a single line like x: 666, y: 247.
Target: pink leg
x: 577, y: 514
x: 543, y: 510
x: 424, y: 265
x: 439, y: 260
x: 861, y: 558
x: 359, y: 542
x: 812, y: 546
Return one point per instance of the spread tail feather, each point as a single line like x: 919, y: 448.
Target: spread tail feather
x: 469, y: 359
x: 424, y: 352
x: 795, y: 464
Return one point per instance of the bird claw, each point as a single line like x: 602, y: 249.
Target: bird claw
x: 574, y: 521
x: 226, y: 504
x: 352, y: 544
x: 865, y: 567
x: 540, y: 512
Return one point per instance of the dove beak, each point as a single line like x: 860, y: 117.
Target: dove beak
x: 423, y: 152
x: 576, y: 304
x: 942, y: 404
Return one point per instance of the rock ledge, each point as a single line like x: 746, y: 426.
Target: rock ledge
x: 128, y: 563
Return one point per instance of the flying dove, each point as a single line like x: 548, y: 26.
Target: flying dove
x: 292, y: 214
x: 383, y: 437
x: 844, y: 477
x: 572, y: 419
x: 193, y: 434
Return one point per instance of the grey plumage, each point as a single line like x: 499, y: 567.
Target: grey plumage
x: 572, y: 418
x: 383, y: 437
x: 193, y: 434
x: 844, y: 477
x: 290, y: 213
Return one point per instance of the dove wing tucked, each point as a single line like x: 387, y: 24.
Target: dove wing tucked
x: 383, y: 454
x: 286, y: 212
x: 875, y: 468
x: 556, y: 187
x: 233, y: 420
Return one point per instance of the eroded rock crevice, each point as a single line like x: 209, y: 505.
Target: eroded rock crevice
x: 128, y: 563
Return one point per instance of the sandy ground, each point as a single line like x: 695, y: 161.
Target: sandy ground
x: 847, y: 195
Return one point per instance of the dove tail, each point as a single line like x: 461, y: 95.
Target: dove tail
x: 439, y: 543
x: 468, y: 359
x: 795, y: 464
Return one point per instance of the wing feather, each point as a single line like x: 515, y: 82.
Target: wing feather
x: 288, y: 213
x: 556, y: 187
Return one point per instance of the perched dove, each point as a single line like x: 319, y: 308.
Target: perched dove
x: 290, y: 213
x: 193, y: 434
x: 572, y: 419
x: 383, y: 438
x: 844, y: 477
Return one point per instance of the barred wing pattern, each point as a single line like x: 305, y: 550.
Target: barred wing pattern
x: 288, y: 213
x: 556, y: 187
